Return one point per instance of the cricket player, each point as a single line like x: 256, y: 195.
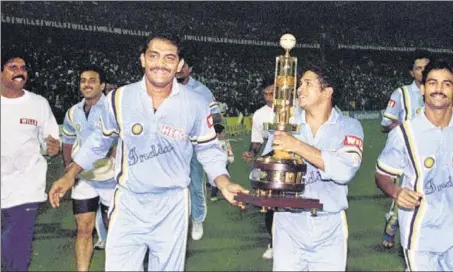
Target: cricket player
x: 157, y: 122
x: 420, y: 152
x: 258, y: 140
x: 80, y: 121
x: 27, y: 125
x: 197, y: 186
x: 405, y: 102
x: 331, y: 144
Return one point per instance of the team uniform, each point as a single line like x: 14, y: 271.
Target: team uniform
x: 197, y: 185
x: 305, y: 242
x: 404, y: 104
x: 151, y: 201
x: 77, y: 127
x: 25, y: 123
x: 422, y: 155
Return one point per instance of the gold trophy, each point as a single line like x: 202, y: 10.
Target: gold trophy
x: 278, y: 177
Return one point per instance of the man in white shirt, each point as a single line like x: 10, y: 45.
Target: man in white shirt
x: 259, y: 136
x: 27, y: 124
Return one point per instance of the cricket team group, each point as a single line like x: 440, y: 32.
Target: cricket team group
x: 163, y: 138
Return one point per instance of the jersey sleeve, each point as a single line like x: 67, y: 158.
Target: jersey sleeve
x: 99, y: 142
x: 49, y: 125
x: 393, y: 109
x: 257, y: 129
x: 341, y: 165
x: 393, y: 159
x: 204, y: 139
x: 69, y: 131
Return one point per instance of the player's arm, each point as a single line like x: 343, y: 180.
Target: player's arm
x: 257, y: 140
x: 212, y: 157
x: 391, y: 114
x: 390, y: 165
x: 94, y: 148
x: 69, y: 137
x: 229, y: 150
x: 339, y: 165
x: 49, y: 131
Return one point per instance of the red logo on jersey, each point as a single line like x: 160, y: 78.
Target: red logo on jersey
x: 210, y: 121
x: 172, y: 132
x: 350, y: 140
x: 26, y: 121
x: 392, y: 103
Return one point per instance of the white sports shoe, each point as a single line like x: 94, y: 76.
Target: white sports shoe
x: 197, y: 230
x: 269, y: 253
x: 100, y: 245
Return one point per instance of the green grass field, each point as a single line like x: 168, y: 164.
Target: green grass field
x: 234, y: 240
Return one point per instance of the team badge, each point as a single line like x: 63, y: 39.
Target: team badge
x: 77, y: 127
x: 429, y: 162
x: 137, y: 129
x: 418, y: 110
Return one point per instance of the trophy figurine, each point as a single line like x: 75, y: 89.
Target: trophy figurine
x: 278, y: 177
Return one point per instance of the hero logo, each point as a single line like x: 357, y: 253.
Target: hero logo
x: 350, y: 140
x: 172, y: 132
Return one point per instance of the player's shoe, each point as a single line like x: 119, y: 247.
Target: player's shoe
x: 269, y: 253
x: 100, y: 245
x: 197, y: 230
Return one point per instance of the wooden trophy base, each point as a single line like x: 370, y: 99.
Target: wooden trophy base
x: 279, y: 202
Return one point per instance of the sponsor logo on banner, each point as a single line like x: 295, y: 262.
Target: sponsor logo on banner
x: 350, y: 140
x: 27, y: 121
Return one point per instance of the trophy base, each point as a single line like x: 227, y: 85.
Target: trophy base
x: 279, y: 202
x: 277, y: 186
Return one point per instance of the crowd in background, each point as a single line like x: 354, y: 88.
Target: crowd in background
x: 234, y: 73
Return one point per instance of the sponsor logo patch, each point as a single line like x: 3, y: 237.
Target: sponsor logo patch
x: 27, y: 121
x: 392, y: 103
x: 210, y: 121
x: 351, y: 140
x: 172, y: 132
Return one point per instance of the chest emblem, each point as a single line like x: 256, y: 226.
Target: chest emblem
x: 137, y: 129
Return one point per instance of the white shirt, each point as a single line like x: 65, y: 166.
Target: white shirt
x: 262, y: 115
x: 25, y: 124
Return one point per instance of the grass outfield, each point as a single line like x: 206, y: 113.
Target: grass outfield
x: 234, y: 240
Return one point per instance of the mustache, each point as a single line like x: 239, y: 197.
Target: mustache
x: 438, y: 93
x: 160, y: 68
x: 19, y: 76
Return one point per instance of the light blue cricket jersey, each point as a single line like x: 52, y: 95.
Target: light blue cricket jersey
x: 77, y: 127
x: 340, y: 141
x: 423, y: 155
x: 154, y: 148
x: 404, y: 104
x: 204, y: 91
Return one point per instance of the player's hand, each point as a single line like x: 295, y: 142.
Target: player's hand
x: 247, y: 156
x: 53, y: 146
x: 408, y: 199
x: 284, y: 140
x: 231, y: 190
x: 59, y: 188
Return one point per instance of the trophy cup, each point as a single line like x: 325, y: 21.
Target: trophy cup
x: 278, y: 177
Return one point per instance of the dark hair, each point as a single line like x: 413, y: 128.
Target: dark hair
x: 438, y: 64
x: 268, y: 81
x: 218, y: 128
x: 418, y: 54
x: 172, y: 38
x: 7, y: 56
x: 93, y: 68
x: 326, y: 77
